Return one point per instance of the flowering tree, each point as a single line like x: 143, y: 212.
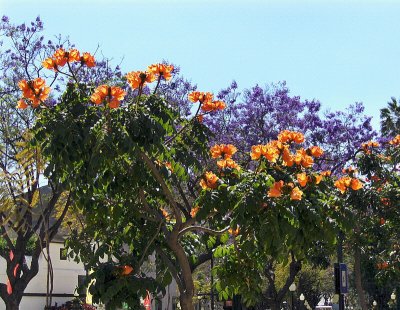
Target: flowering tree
x: 27, y: 209
x: 135, y: 166
x: 261, y: 113
x: 374, y: 240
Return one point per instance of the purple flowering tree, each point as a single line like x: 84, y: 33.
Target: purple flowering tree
x: 260, y: 114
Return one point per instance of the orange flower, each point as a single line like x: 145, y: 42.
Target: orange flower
x: 50, y: 63
x: 326, y: 173
x: 88, y: 60
x: 200, y: 118
x: 287, y: 157
x: 383, y: 265
x: 209, y: 181
x: 316, y: 151
x: 318, y: 179
x: 276, y: 189
x: 35, y: 90
x: 138, y: 79
x: 290, y: 136
x: 228, y: 163
x: 270, y: 152
x: 223, y: 150
x: 296, y: 194
x: 366, y: 147
x: 22, y: 104
x: 165, y: 214
x: 209, y: 106
x: 126, y: 270
x: 194, y: 211
x: 302, y: 179
x: 234, y: 232
x: 395, y: 140
x: 356, y: 184
x: 382, y: 221
x: 61, y: 56
x: 200, y: 96
x: 162, y: 70
x: 345, y: 182
x: 255, y: 152
x: 307, y: 161
x: 301, y: 158
x: 112, y: 95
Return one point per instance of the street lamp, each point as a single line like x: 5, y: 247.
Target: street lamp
x: 292, y: 288
x: 393, y: 296
x: 374, y: 303
x: 302, y: 298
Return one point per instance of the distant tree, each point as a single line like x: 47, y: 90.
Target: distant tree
x: 390, y: 119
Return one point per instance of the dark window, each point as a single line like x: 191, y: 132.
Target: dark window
x: 81, y: 285
x: 63, y: 254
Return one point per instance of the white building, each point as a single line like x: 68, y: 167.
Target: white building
x: 67, y: 274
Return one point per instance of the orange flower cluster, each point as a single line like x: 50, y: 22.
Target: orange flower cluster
x: 228, y: 163
x: 233, y: 232
x: 274, y: 149
x: 61, y: 57
x: 162, y: 70
x: 366, y: 147
x: 206, y: 100
x: 270, y: 151
x: 209, y: 181
x: 303, y: 179
x: 395, y: 140
x: 347, y: 182
x: 288, y: 136
x: 277, y: 189
x: 36, y: 91
x: 111, y: 94
x: 316, y: 151
x: 223, y: 150
x: 137, y: 79
x: 194, y: 211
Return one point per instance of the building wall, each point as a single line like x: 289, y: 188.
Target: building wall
x: 66, y: 274
x: 65, y: 279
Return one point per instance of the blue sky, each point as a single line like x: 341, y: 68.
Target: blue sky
x: 338, y: 52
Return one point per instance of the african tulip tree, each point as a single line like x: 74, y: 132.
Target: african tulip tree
x: 137, y: 169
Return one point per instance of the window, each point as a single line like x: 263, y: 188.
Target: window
x: 63, y: 254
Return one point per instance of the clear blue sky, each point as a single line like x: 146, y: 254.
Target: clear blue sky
x: 338, y: 52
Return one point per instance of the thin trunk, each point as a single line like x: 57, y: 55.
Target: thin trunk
x: 357, y: 277
x: 275, y: 305
x: 186, y: 301
x: 12, y: 303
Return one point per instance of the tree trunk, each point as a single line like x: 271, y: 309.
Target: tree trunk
x: 186, y: 301
x: 275, y: 305
x: 12, y: 304
x: 357, y: 277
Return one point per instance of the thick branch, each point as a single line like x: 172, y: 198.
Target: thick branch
x: 164, y: 187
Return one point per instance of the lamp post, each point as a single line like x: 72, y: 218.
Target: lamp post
x: 302, y: 298
x: 374, y: 303
x: 292, y: 288
x: 393, y: 296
